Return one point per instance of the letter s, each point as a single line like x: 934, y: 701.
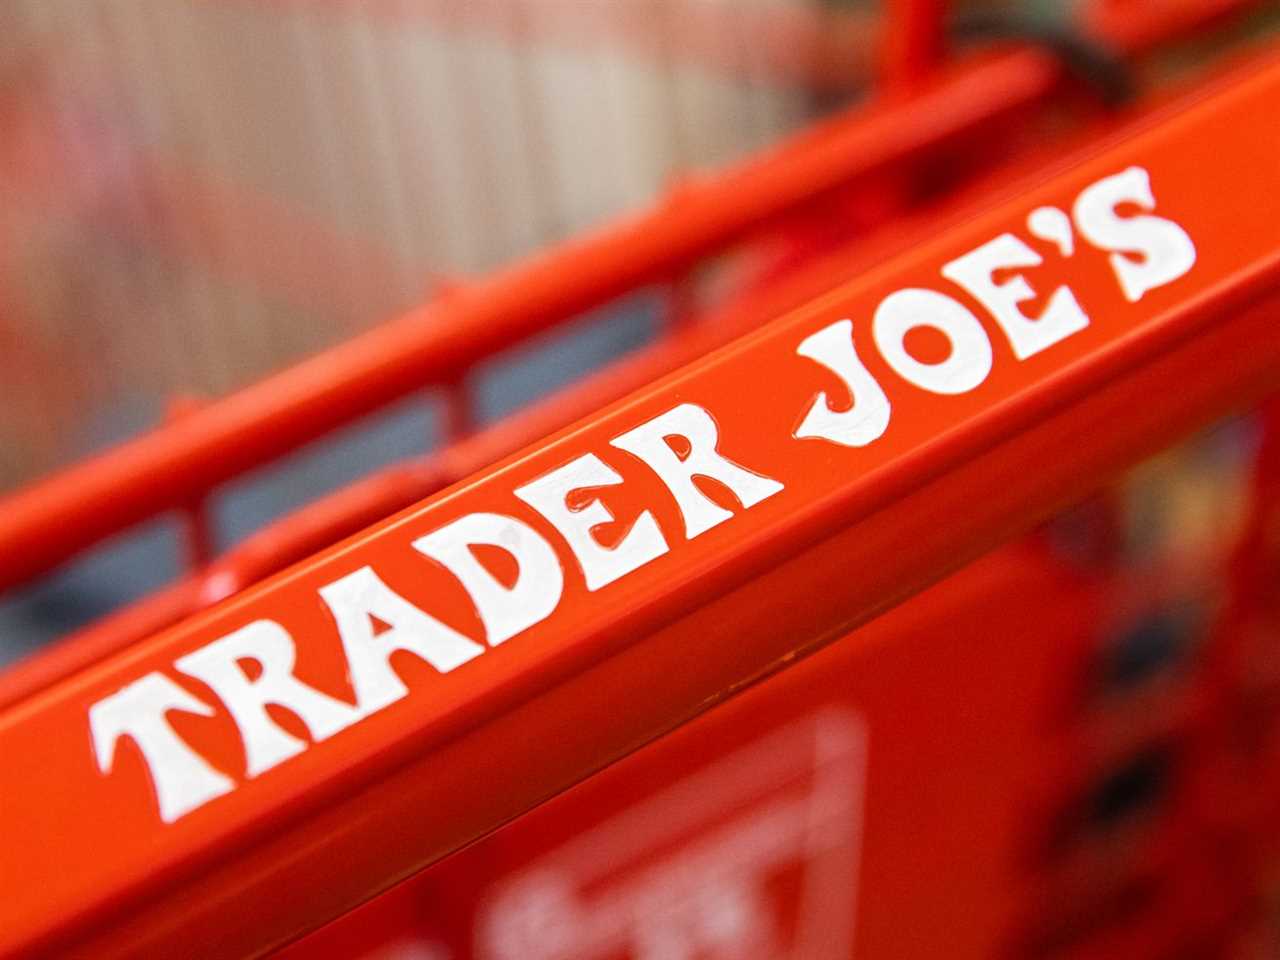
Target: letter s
x: 1146, y: 251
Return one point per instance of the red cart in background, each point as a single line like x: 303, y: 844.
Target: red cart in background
x: 910, y: 593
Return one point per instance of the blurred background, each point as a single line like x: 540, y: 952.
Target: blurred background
x: 200, y: 191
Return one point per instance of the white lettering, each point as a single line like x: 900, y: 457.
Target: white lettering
x: 600, y: 565
x: 970, y: 358
x: 1164, y: 248
x: 182, y: 779
x: 975, y: 271
x: 504, y: 611
x: 691, y: 422
x: 358, y: 597
x: 868, y: 418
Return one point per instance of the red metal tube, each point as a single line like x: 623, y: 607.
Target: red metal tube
x: 912, y: 43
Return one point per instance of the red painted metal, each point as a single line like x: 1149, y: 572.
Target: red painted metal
x: 851, y: 531
x: 894, y: 724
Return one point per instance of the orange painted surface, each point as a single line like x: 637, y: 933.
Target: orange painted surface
x: 850, y: 530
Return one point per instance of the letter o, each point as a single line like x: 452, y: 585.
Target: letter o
x: 904, y: 310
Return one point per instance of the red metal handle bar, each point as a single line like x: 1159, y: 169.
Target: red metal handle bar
x: 824, y: 523
x: 913, y: 42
